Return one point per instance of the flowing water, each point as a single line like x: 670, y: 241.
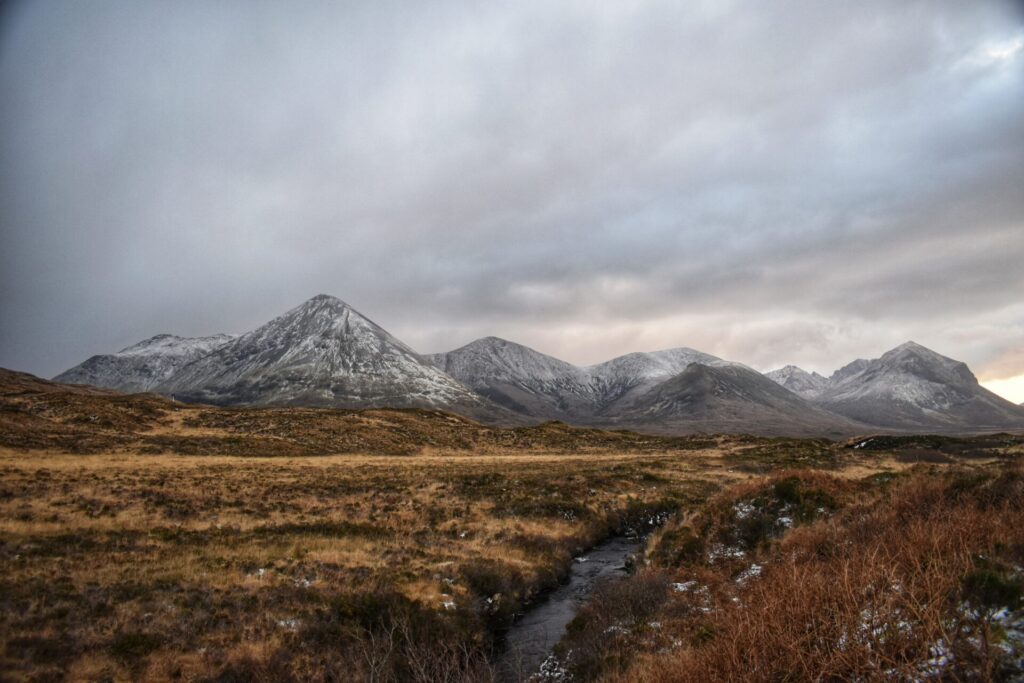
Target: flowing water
x: 530, y: 638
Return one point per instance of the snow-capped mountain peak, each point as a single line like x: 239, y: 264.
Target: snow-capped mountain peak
x: 619, y: 380
x: 642, y: 365
x: 502, y: 359
x: 912, y: 386
x: 849, y: 370
x: 916, y: 360
x: 518, y: 377
x: 321, y: 353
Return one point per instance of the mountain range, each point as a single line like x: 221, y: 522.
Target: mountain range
x: 676, y: 390
x: 539, y: 385
x: 325, y: 353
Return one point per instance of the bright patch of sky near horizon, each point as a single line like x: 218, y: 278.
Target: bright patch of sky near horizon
x: 801, y: 182
x: 1012, y: 389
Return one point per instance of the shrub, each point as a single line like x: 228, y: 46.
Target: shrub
x: 917, y: 579
x: 132, y: 646
x: 605, y: 634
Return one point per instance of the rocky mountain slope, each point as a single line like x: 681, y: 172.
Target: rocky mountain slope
x: 676, y: 390
x: 731, y: 398
x: 621, y: 380
x: 519, y: 378
x: 914, y: 388
x: 799, y: 381
x: 144, y: 365
x: 910, y: 388
x: 322, y: 353
x: 542, y: 386
x: 848, y: 370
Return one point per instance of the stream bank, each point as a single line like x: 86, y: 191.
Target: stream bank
x: 531, y: 638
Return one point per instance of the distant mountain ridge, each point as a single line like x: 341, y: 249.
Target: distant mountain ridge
x: 543, y: 386
x: 325, y: 353
x: 913, y: 388
x: 849, y: 370
x: 660, y: 391
x: 142, y: 366
x: 730, y: 397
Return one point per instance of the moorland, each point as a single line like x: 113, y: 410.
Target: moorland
x: 144, y: 539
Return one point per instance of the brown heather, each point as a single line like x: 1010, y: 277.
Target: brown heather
x: 902, y: 580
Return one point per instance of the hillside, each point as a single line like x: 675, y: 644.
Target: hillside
x: 913, y: 388
x: 730, y: 398
x: 142, y: 366
x: 37, y: 414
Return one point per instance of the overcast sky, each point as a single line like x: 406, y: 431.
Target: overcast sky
x: 785, y: 182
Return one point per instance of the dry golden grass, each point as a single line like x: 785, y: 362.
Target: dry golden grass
x: 141, y: 540
x: 136, y: 566
x: 163, y: 567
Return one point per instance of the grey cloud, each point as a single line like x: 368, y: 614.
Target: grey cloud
x: 794, y: 182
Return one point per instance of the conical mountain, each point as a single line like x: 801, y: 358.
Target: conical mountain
x: 322, y: 353
x: 143, y: 366
x: 914, y: 388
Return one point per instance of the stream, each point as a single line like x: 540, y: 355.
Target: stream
x: 531, y: 638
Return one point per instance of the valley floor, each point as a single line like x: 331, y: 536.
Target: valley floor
x: 392, y: 568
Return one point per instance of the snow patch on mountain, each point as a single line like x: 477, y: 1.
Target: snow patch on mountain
x: 142, y: 366
x: 913, y: 387
x: 849, y: 370
x: 504, y: 360
x: 520, y: 378
x: 729, y: 397
x: 539, y: 385
x: 799, y: 381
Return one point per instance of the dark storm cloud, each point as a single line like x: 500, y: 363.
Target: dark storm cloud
x: 784, y: 182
